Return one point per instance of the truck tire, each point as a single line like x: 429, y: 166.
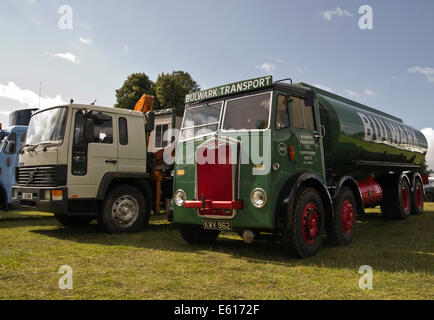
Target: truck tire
x: 124, y: 210
x: 305, y: 228
x: 429, y: 197
x: 73, y: 221
x: 397, y: 202
x: 417, y: 198
x: 341, y: 226
x: 195, y: 234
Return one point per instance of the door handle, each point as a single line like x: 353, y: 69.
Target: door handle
x: 111, y: 161
x: 317, y: 137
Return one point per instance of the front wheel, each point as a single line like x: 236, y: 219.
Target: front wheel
x: 195, y: 234
x: 124, y: 210
x: 304, y: 233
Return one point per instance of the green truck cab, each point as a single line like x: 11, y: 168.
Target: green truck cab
x: 259, y: 156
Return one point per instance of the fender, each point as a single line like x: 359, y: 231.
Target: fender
x: 294, y: 183
x: 405, y: 176
x: 417, y: 176
x: 352, y: 183
x: 109, y: 177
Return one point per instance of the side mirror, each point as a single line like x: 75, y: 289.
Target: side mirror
x: 150, y: 121
x: 89, y: 130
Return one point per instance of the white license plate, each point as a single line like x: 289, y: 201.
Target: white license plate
x: 27, y: 196
x: 217, y: 225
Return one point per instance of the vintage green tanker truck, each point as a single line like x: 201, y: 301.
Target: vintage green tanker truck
x: 259, y: 156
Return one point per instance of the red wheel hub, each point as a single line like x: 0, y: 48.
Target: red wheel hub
x: 419, y: 196
x: 347, y: 216
x: 310, y: 223
x: 405, y: 201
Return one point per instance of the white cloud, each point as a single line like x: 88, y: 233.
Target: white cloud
x: 126, y: 49
x: 68, y: 56
x: 85, y: 40
x: 27, y: 97
x: 36, y: 21
x: 267, y: 67
x: 429, y: 134
x: 300, y: 70
x: 427, y: 72
x: 369, y: 93
x: 328, y: 15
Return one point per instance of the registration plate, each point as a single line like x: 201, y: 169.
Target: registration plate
x: 217, y: 225
x: 27, y: 196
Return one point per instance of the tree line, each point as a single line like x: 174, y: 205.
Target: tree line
x: 169, y: 90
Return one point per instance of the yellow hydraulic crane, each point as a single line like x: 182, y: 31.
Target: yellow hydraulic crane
x: 146, y: 104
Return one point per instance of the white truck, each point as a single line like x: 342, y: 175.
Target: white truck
x: 83, y: 162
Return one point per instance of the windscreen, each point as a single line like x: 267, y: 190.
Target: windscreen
x: 47, y: 127
x: 201, y: 120
x: 248, y: 113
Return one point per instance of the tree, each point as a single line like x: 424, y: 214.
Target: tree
x: 132, y: 90
x: 171, y: 89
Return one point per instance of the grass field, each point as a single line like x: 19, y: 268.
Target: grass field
x: 158, y: 264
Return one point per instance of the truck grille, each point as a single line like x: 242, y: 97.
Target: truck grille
x: 44, y: 176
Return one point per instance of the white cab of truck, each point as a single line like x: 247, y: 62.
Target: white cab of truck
x: 83, y: 162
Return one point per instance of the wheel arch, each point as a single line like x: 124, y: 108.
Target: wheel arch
x: 140, y: 181
x: 290, y: 189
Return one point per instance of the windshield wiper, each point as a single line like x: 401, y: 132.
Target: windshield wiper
x: 45, y: 144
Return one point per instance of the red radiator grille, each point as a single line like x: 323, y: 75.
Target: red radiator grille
x: 215, y: 180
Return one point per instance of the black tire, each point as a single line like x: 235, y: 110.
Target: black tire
x: 417, y: 198
x: 124, y: 210
x: 73, y: 221
x: 195, y: 234
x: 341, y: 226
x: 396, y: 206
x: 299, y: 240
x: 429, y: 197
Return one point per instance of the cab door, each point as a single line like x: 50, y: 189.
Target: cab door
x: 306, y: 138
x: 91, y: 161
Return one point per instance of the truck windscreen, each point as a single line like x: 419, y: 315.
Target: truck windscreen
x: 248, y: 113
x: 201, y: 120
x: 47, y: 127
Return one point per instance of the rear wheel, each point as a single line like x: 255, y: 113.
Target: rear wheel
x: 124, y: 210
x: 397, y: 202
x: 429, y: 197
x: 73, y: 221
x: 342, y: 225
x: 417, y: 198
x: 305, y: 228
x: 195, y: 234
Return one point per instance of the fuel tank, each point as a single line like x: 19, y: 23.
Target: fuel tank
x: 358, y: 136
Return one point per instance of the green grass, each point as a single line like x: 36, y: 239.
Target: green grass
x: 158, y: 264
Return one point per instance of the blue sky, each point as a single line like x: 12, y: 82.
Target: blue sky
x: 319, y: 42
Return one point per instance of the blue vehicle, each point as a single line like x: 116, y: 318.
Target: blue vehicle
x: 11, y: 140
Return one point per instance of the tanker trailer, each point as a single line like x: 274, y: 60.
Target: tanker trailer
x: 322, y: 160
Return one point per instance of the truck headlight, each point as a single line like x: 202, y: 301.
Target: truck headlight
x: 180, y: 198
x: 258, y: 198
